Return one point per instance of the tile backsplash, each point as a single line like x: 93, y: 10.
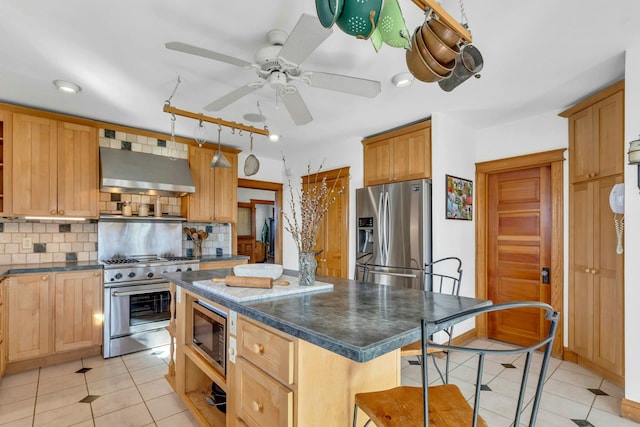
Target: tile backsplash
x: 26, y: 242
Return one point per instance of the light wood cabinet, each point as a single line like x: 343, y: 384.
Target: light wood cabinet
x: 596, y: 282
x: 3, y: 332
x: 53, y: 313
x: 215, y: 199
x: 78, y: 310
x: 399, y: 155
x: 596, y: 133
x: 55, y: 168
x: 6, y: 134
x: 216, y: 265
x: 29, y: 320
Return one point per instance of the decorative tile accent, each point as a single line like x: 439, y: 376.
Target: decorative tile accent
x: 414, y: 363
x: 162, y: 143
x: 83, y: 370
x: 582, y: 423
x: 116, y: 197
x: 119, y: 206
x: 39, y: 248
x: 209, y: 229
x: 125, y: 145
x: 597, y: 392
x: 109, y: 133
x: 91, y: 397
x: 71, y: 257
x: 484, y: 387
x: 65, y: 228
x: 506, y: 365
x: 190, y: 253
x: 1, y: 227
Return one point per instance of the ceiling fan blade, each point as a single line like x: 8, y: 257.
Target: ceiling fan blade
x: 231, y: 97
x: 340, y: 83
x: 305, y: 37
x: 296, y: 107
x: 194, y: 50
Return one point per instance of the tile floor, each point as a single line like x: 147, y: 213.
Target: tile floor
x: 131, y: 391
x: 572, y: 396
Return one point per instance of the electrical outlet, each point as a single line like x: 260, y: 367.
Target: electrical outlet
x: 27, y: 243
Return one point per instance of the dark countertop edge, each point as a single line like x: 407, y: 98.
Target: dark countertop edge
x: 357, y: 354
x: 47, y: 267
x: 50, y: 267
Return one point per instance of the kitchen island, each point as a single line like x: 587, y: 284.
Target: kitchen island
x: 299, y: 360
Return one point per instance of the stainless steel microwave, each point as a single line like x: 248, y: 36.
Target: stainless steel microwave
x: 210, y: 334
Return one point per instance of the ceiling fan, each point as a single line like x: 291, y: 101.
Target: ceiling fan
x: 279, y: 64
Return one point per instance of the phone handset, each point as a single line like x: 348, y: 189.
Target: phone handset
x: 616, y: 201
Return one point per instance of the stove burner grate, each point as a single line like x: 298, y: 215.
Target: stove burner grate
x: 177, y: 258
x: 116, y: 261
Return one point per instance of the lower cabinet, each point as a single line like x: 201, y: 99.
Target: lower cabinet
x: 216, y: 265
x: 3, y: 334
x: 52, y: 313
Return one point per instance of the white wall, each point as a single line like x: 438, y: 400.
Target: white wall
x: 632, y: 228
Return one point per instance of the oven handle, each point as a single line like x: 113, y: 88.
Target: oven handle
x: 124, y: 294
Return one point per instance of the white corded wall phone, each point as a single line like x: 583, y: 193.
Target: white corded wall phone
x: 616, y: 201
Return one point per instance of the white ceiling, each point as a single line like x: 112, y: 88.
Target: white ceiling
x: 539, y: 56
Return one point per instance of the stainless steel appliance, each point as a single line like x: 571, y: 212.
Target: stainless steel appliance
x: 209, y: 334
x: 394, y: 233
x: 136, y: 298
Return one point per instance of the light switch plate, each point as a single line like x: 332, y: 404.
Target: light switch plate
x: 27, y: 243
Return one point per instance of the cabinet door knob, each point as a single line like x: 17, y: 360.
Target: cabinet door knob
x: 60, y: 212
x: 259, y: 348
x: 43, y: 278
x: 586, y: 270
x: 96, y: 274
x: 53, y: 212
x: 593, y: 271
x: 257, y: 406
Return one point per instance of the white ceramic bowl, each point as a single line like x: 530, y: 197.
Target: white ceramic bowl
x: 258, y: 270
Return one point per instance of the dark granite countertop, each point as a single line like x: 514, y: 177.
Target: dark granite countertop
x: 47, y: 267
x: 213, y: 258
x: 358, y: 320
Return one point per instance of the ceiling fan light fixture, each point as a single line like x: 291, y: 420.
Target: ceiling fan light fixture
x: 274, y: 137
x: 402, y: 79
x: 67, y: 87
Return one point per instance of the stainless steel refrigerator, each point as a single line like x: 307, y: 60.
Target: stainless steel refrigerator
x: 394, y: 233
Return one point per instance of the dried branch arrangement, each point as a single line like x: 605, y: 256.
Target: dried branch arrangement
x: 313, y: 204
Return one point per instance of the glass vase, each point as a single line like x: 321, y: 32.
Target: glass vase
x: 307, y: 265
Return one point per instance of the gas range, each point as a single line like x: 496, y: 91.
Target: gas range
x: 129, y: 270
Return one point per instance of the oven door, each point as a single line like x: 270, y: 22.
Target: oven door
x: 138, y: 308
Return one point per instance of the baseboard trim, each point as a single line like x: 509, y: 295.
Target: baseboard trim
x: 569, y: 356
x: 38, y: 362
x: 465, y: 337
x: 630, y: 409
x: 573, y: 357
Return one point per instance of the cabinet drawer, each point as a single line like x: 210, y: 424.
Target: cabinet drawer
x: 260, y: 400
x: 267, y: 350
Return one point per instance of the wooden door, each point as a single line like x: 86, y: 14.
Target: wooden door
x: 29, y: 316
x: 200, y: 204
x: 332, y: 238
x: 412, y: 155
x: 609, y: 134
x: 519, y: 241
x: 226, y: 190
x: 78, y: 309
x: 608, y: 283
x: 77, y: 171
x: 377, y: 162
x: 34, y: 172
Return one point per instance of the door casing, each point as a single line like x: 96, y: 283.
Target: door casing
x: 555, y: 160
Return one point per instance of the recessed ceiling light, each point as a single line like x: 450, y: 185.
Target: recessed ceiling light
x: 67, y: 87
x: 274, y: 137
x: 402, y: 79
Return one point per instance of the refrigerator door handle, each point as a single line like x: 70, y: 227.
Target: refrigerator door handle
x: 387, y: 227
x: 379, y: 231
x: 387, y: 273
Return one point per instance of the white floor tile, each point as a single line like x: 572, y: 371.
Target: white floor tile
x: 55, y: 384
x: 116, y: 401
x: 143, y: 362
x: 182, y: 419
x: 106, y: 371
x: 141, y: 376
x: 15, y: 394
x: 110, y: 384
x: 68, y: 396
x: 165, y: 406
x: 605, y: 419
x: 24, y: 422
x: 155, y: 388
x: 16, y: 411
x: 21, y: 378
x: 64, y: 416
x: 62, y: 369
x: 133, y: 416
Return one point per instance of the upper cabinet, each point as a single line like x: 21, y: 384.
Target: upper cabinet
x: 215, y: 199
x: 399, y: 155
x: 596, y: 135
x: 5, y: 162
x: 55, y: 168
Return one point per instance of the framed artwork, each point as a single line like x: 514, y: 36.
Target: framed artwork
x: 459, y: 201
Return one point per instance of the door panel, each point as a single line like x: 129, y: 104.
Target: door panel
x: 519, y: 239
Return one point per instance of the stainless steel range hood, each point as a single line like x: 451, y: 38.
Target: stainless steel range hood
x: 124, y: 171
